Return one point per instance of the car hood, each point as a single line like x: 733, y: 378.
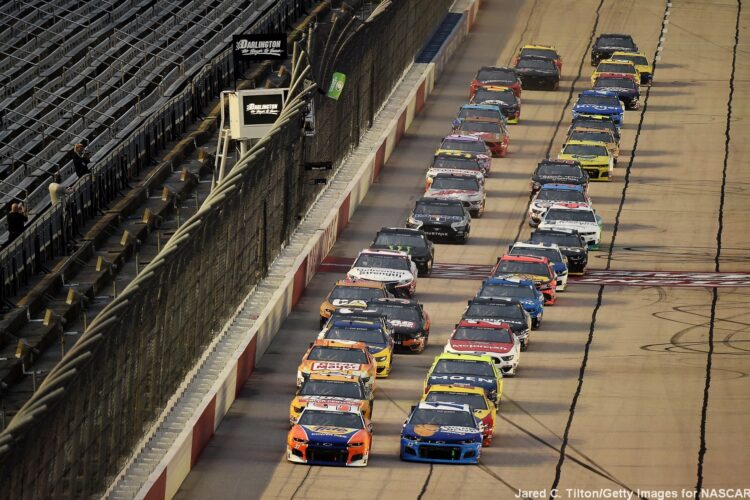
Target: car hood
x: 413, y: 251
x: 329, y: 434
x: 378, y: 274
x: 447, y: 433
x: 473, y: 345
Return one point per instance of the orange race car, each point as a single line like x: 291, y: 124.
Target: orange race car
x: 343, y: 356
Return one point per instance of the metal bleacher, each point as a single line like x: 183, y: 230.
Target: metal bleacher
x: 126, y: 75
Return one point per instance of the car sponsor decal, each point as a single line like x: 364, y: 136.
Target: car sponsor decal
x: 349, y: 302
x: 401, y: 248
x: 334, y: 365
x: 466, y: 378
x: 331, y: 431
x: 454, y: 429
x: 426, y: 430
x: 402, y: 323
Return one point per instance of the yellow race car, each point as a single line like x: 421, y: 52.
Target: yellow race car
x: 332, y: 388
x: 615, y: 66
x: 483, y: 408
x: 350, y: 293
x: 640, y: 60
x: 466, y: 369
x: 344, y: 356
x: 593, y: 156
x: 582, y: 133
x: 373, y: 332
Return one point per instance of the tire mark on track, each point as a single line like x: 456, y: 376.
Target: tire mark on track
x: 568, y: 101
x: 301, y: 483
x: 426, y: 483
x: 600, y: 293
x: 717, y: 258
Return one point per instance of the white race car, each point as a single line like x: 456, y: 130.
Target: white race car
x: 578, y: 216
x: 552, y: 252
x: 393, y: 268
x: 465, y: 188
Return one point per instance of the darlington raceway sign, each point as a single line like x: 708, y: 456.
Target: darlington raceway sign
x: 259, y: 47
x: 252, y: 113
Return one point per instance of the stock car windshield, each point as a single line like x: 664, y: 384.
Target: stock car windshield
x: 510, y: 311
x: 476, y: 126
x: 355, y: 293
x: 398, y: 312
x: 615, y: 41
x: 460, y: 183
x: 546, y: 53
x: 560, y: 195
x: 475, y: 401
x: 382, y: 261
x: 535, y: 63
x: 552, y: 254
x: 564, y: 170
x: 399, y: 241
x: 469, y: 113
x: 483, y: 335
x: 639, y: 60
x: 570, y: 215
x: 585, y: 135
x: 585, y: 150
x: 620, y: 83
x: 462, y: 367
x: 469, y: 146
x: 599, y: 100
x: 438, y: 209
x: 483, y: 95
x: 334, y: 388
x: 443, y: 417
x: 608, y: 67
x: 457, y: 163
x: 520, y: 267
x: 331, y: 419
x: 567, y: 240
x: 510, y: 291
x: 340, y: 354
x: 366, y: 335
x: 496, y: 75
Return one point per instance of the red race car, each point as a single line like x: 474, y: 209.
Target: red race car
x: 483, y: 338
x: 494, y: 133
x: 492, y: 76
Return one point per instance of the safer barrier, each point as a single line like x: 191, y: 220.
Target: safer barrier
x: 96, y: 404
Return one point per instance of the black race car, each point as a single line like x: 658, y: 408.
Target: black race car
x: 558, y: 172
x: 501, y: 310
x: 408, y: 319
x: 607, y: 43
x: 441, y: 219
x: 597, y: 122
x: 504, y: 99
x: 572, y: 246
x: 538, y: 73
x: 412, y: 241
x: 627, y: 90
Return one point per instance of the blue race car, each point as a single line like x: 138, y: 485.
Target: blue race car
x: 522, y: 290
x: 600, y: 102
x: 441, y: 433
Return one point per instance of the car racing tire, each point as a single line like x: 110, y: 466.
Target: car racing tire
x: 524, y: 345
x: 536, y: 323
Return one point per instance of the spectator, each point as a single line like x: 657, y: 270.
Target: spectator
x: 81, y: 159
x: 56, y: 190
x: 16, y: 221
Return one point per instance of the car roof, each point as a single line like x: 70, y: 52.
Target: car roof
x: 340, y: 344
x: 457, y: 175
x: 496, y: 88
x: 538, y: 46
x: 562, y: 187
x: 439, y: 201
x: 382, y: 251
x: 401, y: 230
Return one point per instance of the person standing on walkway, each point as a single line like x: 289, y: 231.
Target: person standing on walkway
x: 81, y: 159
x: 16, y: 220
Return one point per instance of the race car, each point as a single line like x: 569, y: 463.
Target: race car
x: 607, y: 44
x: 409, y: 321
x: 640, y: 60
x: 343, y: 356
x: 480, y: 338
x: 466, y: 369
x: 412, y: 241
x: 591, y: 134
x: 484, y: 410
x: 348, y: 292
x: 551, y: 252
x: 597, y: 122
x: 570, y: 243
x: 600, y: 102
x: 454, y: 163
x: 538, y: 73
x: 332, y: 388
x: 394, y: 269
x: 609, y: 66
x: 481, y: 112
x: 441, y: 433
x: 464, y: 188
x: 594, y: 157
x: 624, y: 85
x: 503, y: 97
x: 330, y: 433
x: 537, y: 269
x: 455, y: 143
x: 576, y: 216
x: 559, y: 172
x: 549, y: 194
x: 501, y: 310
x: 495, y: 76
x: 375, y: 333
x: 494, y: 133
x: 541, y: 51
x: 441, y: 219
x: 524, y: 291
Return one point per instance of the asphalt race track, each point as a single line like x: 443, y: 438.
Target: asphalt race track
x: 624, y: 387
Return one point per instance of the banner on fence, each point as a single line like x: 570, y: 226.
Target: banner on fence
x: 259, y: 47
